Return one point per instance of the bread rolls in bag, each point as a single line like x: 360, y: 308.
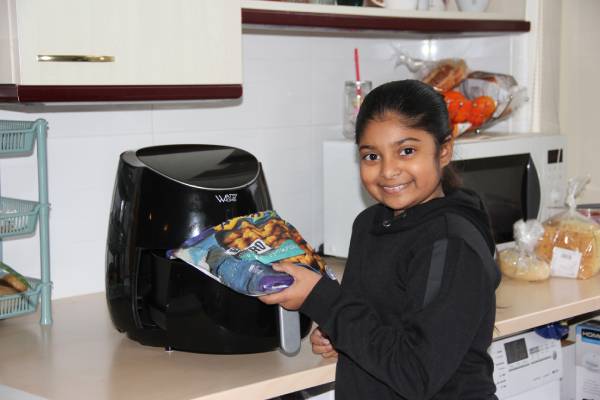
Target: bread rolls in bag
x: 527, y: 267
x: 572, y: 232
x: 521, y: 262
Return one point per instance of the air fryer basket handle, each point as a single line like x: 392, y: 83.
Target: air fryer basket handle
x: 289, y: 331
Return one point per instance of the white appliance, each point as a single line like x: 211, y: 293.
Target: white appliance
x: 549, y: 391
x: 527, y: 367
x: 518, y: 176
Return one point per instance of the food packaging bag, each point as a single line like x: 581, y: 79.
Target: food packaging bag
x: 239, y: 252
x: 476, y: 100
x: 443, y: 75
x: 485, y: 98
x: 521, y: 262
x: 502, y: 88
x: 571, y: 242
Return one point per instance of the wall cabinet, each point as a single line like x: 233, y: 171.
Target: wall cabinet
x: 155, y: 50
x: 78, y: 50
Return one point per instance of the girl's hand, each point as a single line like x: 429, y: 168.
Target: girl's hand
x: 293, y: 297
x: 321, y: 345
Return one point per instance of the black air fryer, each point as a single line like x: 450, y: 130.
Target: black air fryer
x: 163, y: 196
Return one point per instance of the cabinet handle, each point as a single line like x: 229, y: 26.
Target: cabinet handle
x: 73, y: 58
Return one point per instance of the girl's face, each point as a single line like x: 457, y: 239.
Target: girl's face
x: 399, y: 166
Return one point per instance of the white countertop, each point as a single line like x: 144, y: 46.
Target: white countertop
x: 82, y: 356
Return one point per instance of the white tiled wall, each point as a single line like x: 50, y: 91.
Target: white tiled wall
x: 292, y: 102
x: 580, y: 55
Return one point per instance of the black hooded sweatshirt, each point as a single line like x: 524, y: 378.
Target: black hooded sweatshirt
x: 414, y: 315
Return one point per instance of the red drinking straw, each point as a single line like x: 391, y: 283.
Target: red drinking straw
x: 357, y: 69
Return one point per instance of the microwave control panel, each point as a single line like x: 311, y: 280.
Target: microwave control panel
x: 553, y: 176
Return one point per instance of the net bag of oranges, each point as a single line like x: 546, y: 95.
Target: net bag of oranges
x: 239, y: 253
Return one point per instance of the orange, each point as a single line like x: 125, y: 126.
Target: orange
x: 458, y: 105
x: 482, y: 109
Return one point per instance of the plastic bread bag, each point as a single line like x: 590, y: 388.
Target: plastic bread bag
x: 238, y: 253
x: 571, y: 241
x: 11, y: 281
x: 521, y: 262
x: 443, y: 75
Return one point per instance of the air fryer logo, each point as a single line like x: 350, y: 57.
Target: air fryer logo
x: 226, y: 198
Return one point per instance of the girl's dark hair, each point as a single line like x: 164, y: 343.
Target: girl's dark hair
x: 416, y: 105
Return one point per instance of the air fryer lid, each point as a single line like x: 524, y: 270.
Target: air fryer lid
x: 203, y: 166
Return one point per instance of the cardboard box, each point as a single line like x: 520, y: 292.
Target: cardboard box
x: 587, y: 361
x: 567, y: 382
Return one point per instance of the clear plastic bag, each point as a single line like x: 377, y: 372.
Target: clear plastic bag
x: 521, y: 262
x: 476, y: 100
x: 443, y: 75
x: 571, y: 242
x: 502, y: 88
x: 239, y: 252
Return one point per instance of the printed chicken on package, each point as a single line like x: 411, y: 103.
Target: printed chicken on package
x: 239, y: 253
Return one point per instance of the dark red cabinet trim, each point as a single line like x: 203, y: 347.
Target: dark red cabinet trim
x: 423, y: 25
x: 96, y: 93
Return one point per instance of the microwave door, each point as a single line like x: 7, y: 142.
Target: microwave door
x: 531, y: 191
x: 509, y: 187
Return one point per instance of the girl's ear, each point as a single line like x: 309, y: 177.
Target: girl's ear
x: 446, y: 151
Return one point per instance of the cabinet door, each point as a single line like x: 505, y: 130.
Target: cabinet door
x: 128, y: 42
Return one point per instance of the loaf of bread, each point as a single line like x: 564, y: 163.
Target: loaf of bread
x: 6, y: 289
x: 9, y: 278
x: 446, y: 74
x: 572, y: 233
x: 12, y: 280
x: 527, y: 267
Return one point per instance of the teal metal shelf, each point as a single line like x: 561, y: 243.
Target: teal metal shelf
x: 20, y: 217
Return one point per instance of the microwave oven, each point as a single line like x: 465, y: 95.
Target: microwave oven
x: 518, y: 176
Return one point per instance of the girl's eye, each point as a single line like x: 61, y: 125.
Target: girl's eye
x: 407, y: 151
x: 370, y: 157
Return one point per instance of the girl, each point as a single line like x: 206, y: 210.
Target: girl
x: 414, y: 315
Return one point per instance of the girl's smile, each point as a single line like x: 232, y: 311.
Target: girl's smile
x: 395, y: 189
x: 401, y: 166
